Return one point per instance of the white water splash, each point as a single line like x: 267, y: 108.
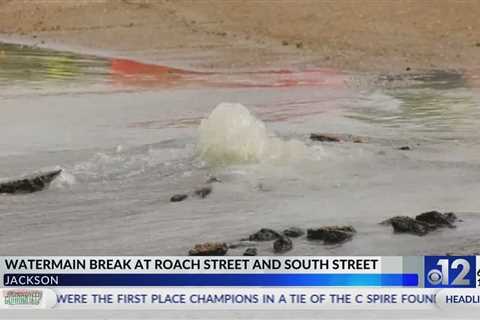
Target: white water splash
x: 231, y: 134
x: 64, y: 180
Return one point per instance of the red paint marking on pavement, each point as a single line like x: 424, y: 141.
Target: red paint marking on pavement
x: 127, y: 72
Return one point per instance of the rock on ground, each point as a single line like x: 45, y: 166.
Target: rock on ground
x: 423, y: 223
x: 178, y: 197
x: 325, y: 137
x: 282, y: 245
x: 404, y: 224
x: 264, y: 234
x: 437, y: 218
x: 334, y: 137
x: 30, y: 184
x: 331, y: 234
x: 203, y: 192
x: 294, y: 232
x: 209, y: 249
x: 250, y: 252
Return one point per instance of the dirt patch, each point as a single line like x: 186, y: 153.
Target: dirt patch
x: 355, y: 35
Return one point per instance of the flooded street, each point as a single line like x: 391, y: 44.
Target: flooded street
x: 126, y: 134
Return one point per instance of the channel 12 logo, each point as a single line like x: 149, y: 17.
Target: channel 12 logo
x: 450, y: 272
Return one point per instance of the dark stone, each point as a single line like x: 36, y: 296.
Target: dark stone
x: 30, y: 184
x: 408, y: 68
x: 405, y: 148
x: 324, y: 137
x: 438, y: 219
x: 337, y: 236
x: 423, y: 223
x: 203, y: 192
x: 299, y: 45
x: 333, y: 137
x: 209, y: 249
x: 294, y: 232
x: 358, y: 140
x: 451, y: 217
x: 250, y: 252
x: 282, y: 245
x: 178, y: 197
x: 477, y: 44
x: 332, y: 234
x: 264, y: 234
x: 404, y: 224
x: 284, y: 43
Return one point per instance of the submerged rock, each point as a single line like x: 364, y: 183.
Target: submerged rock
x: 282, y: 245
x: 404, y: 224
x: 29, y: 184
x: 325, y: 137
x: 333, y: 137
x: 264, y: 234
x: 437, y: 218
x: 178, y: 197
x: 423, y: 223
x: 405, y: 148
x: 331, y: 234
x: 250, y: 252
x: 294, y: 232
x: 358, y: 140
x: 203, y: 192
x: 209, y: 249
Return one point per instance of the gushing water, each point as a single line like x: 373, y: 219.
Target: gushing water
x: 232, y: 134
x: 60, y: 113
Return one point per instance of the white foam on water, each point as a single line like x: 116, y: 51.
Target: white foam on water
x: 64, y: 180
x: 105, y: 166
x: 232, y: 134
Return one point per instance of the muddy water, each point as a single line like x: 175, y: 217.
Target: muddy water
x: 126, y: 134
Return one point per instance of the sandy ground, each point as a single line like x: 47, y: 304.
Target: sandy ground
x: 354, y: 35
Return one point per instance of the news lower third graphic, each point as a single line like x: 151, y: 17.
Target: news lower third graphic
x: 410, y: 283
x: 450, y: 272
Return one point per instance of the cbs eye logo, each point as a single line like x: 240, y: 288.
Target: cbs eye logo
x: 435, y: 277
x: 449, y: 272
